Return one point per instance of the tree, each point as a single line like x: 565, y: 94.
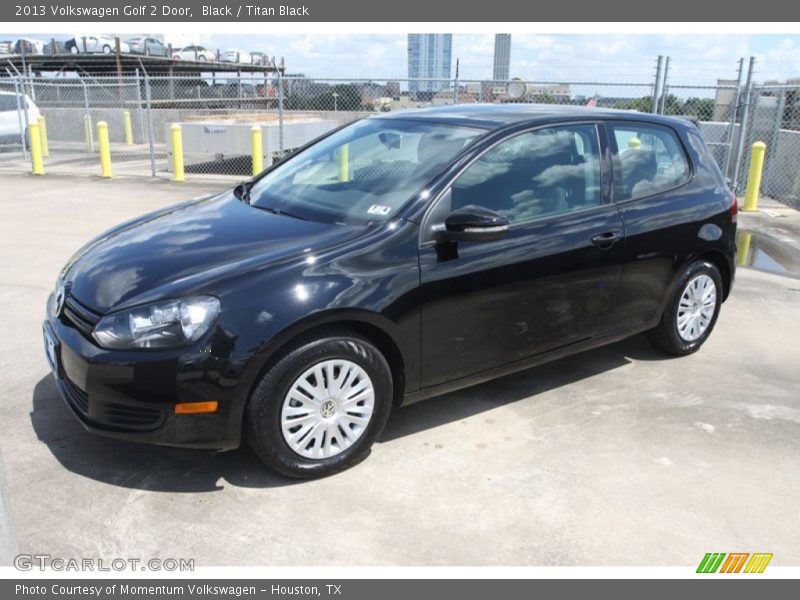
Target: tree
x: 702, y: 108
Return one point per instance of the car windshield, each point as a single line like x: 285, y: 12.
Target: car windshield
x: 364, y: 172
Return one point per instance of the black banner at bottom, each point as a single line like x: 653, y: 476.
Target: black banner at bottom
x: 391, y: 589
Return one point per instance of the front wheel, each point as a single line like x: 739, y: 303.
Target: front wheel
x: 320, y: 408
x: 691, y: 311
x: 106, y: 49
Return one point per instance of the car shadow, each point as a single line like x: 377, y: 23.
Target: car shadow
x: 159, y: 468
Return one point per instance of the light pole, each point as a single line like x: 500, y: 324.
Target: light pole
x: 335, y: 96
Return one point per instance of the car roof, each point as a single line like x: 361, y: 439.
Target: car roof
x: 496, y: 116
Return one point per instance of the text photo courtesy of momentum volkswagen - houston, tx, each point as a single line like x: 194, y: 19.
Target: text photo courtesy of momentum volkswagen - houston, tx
x: 299, y: 299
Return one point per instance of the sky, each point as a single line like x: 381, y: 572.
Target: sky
x: 612, y: 58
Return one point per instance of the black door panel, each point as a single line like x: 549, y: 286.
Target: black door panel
x: 544, y: 286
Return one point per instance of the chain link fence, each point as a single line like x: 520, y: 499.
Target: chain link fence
x: 216, y: 115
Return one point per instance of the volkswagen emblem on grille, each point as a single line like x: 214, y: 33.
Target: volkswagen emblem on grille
x: 61, y: 296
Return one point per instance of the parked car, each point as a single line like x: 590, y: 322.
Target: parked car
x: 94, y: 44
x: 259, y: 58
x: 198, y: 53
x: 28, y: 46
x: 235, y: 90
x: 12, y: 119
x: 235, y: 55
x: 147, y: 45
x: 395, y: 259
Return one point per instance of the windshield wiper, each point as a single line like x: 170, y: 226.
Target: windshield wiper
x: 278, y: 211
x: 242, y: 191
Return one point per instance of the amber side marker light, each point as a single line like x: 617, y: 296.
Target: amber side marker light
x: 196, y: 408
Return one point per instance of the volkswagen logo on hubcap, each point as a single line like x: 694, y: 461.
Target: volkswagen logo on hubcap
x: 327, y: 409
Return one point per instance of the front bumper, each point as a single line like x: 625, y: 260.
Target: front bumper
x: 132, y: 395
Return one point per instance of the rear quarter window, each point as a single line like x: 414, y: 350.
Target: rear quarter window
x: 648, y: 160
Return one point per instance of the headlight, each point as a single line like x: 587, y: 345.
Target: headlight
x: 167, y: 324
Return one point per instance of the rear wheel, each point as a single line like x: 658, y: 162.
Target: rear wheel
x: 106, y: 49
x: 320, y: 408
x: 691, y: 312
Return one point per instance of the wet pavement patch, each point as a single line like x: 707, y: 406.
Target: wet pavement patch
x: 763, y: 253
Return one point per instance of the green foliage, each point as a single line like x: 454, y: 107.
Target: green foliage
x: 702, y: 108
x: 348, y: 97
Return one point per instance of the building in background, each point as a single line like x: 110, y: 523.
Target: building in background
x: 502, y: 57
x: 429, y: 57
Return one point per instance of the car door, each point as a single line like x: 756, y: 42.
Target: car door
x: 549, y: 282
x: 651, y: 170
x: 155, y: 47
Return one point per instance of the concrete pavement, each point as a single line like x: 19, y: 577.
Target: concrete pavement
x: 617, y: 456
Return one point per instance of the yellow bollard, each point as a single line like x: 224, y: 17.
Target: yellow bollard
x: 43, y: 135
x: 742, y: 248
x: 258, y: 149
x: 128, y: 128
x: 105, y: 149
x: 35, y: 140
x: 177, y: 154
x: 87, y: 132
x: 344, y: 163
x: 754, y: 176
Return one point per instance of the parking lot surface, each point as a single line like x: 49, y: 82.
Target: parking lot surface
x: 616, y: 456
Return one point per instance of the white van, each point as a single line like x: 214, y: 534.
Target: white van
x: 11, y: 116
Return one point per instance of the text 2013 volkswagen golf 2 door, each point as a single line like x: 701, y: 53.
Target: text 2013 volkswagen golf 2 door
x: 395, y: 259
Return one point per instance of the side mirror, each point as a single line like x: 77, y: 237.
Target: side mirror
x: 474, y: 224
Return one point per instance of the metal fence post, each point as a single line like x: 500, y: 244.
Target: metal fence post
x: 280, y: 109
x: 87, y: 116
x: 139, y: 108
x: 656, y: 83
x: 748, y: 90
x: 150, y: 130
x: 455, y: 85
x: 664, y: 87
x: 732, y: 125
x: 21, y: 118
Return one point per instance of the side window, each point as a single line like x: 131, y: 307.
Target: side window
x: 535, y: 174
x: 648, y: 159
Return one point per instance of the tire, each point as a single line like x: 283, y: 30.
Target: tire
x: 106, y: 49
x: 74, y: 49
x: 201, y: 58
x: 684, y: 333
x: 268, y: 425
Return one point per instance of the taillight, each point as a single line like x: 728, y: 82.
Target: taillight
x: 734, y: 207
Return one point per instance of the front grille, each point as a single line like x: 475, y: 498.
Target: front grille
x: 76, y: 397
x: 80, y: 316
x: 131, y: 417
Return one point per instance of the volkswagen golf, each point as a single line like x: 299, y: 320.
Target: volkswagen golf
x: 392, y: 260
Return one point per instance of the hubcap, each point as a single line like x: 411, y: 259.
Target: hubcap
x: 327, y: 409
x: 696, y: 307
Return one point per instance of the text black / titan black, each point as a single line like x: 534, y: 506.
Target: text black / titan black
x: 394, y: 259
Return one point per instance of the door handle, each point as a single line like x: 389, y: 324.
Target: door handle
x: 605, y: 240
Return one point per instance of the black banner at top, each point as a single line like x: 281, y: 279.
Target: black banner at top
x: 406, y: 11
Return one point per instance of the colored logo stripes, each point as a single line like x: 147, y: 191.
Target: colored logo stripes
x: 734, y: 562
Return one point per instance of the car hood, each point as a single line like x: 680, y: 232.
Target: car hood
x: 183, y: 248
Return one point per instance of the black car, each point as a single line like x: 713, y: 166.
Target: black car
x: 395, y: 259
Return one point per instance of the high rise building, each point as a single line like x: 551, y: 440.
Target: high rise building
x: 502, y: 57
x: 429, y: 57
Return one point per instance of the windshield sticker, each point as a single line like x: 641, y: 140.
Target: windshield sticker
x: 379, y: 209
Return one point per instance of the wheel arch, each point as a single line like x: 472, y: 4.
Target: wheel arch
x: 377, y: 329
x: 718, y: 259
